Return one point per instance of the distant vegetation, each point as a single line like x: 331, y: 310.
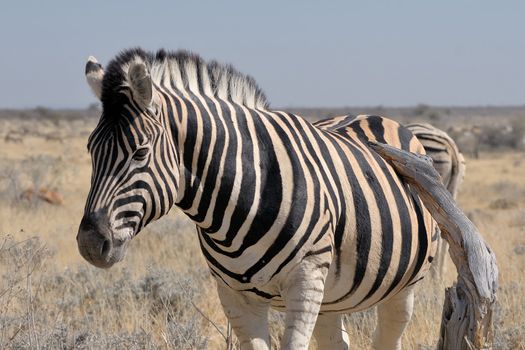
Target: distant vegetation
x: 475, y: 129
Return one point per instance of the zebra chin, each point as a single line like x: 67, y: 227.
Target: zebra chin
x: 98, y: 244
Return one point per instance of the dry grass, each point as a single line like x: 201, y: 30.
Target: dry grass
x: 162, y: 296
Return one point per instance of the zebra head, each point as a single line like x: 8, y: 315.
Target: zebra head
x: 134, y: 172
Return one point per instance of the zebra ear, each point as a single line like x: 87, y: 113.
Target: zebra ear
x: 94, y: 76
x: 140, y: 83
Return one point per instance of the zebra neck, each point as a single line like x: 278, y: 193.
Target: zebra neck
x: 216, y: 159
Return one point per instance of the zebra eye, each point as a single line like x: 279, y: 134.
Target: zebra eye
x: 140, y: 154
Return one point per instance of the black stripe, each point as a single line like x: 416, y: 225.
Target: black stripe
x: 261, y: 293
x: 127, y: 214
x: 190, y: 146
x: 247, y: 190
x: 318, y: 251
x: 296, y: 213
x: 405, y: 136
x: 387, y: 240
x: 375, y: 124
x: 430, y: 149
x: 211, y: 172
x: 270, y: 196
x: 362, y: 218
x: 335, y: 194
x: 406, y: 230
x: 422, y: 237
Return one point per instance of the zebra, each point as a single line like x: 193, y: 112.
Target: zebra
x: 450, y: 164
x: 303, y: 218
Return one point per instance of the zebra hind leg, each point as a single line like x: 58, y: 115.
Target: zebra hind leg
x: 248, y: 317
x: 303, y: 293
x: 330, y: 332
x: 392, y: 319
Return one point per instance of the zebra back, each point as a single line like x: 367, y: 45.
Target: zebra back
x: 439, y: 146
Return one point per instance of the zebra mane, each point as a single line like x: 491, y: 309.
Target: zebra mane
x: 186, y: 71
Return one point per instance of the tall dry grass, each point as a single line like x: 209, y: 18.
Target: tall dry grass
x: 161, y: 295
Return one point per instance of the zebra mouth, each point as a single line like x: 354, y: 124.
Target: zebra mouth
x: 101, y: 253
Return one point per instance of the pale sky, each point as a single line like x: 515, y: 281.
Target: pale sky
x: 302, y: 53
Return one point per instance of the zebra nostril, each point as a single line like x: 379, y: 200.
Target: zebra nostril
x: 106, y: 246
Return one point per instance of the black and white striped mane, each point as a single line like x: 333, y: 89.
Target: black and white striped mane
x: 186, y: 71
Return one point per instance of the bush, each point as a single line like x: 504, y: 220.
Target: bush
x: 503, y: 203
x: 88, y: 308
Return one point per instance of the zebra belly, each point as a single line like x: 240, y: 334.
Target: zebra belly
x: 364, y: 274
x: 358, y: 279
x: 342, y: 297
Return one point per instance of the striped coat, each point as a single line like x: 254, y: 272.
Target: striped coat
x: 342, y: 193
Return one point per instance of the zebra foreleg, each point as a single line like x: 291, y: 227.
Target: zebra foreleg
x: 303, y: 294
x: 248, y: 317
x: 330, y: 332
x: 392, y: 319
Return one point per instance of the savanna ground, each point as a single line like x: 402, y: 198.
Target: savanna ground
x: 161, y: 295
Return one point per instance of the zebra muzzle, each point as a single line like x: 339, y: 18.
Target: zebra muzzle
x: 96, y: 243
